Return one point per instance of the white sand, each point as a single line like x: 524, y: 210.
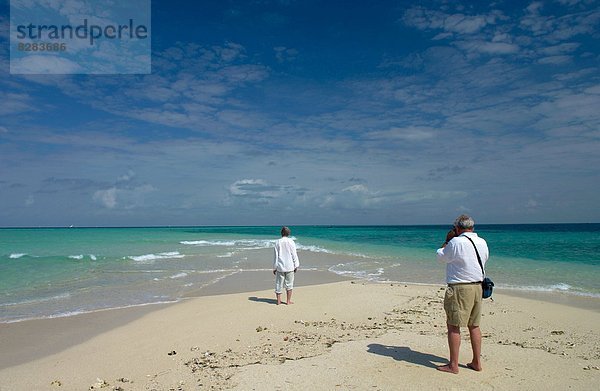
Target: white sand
x: 337, y: 336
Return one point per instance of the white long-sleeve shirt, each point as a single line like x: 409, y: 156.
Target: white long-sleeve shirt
x: 286, y: 257
x: 461, y: 259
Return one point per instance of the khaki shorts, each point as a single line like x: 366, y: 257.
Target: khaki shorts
x: 462, y: 303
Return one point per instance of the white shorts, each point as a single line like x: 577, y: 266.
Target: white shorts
x: 284, y: 279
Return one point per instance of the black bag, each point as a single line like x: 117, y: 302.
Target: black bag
x: 487, y: 284
x: 488, y: 287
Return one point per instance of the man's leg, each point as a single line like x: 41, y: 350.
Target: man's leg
x: 475, y: 334
x: 278, y: 286
x: 452, y: 309
x: 289, y: 285
x: 454, y: 345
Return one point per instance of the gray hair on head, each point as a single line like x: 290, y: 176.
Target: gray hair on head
x: 285, y: 231
x: 464, y: 222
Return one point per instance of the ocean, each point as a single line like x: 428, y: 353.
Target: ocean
x: 52, y: 272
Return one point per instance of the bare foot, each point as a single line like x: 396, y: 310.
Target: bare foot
x: 473, y: 367
x: 447, y: 368
x: 289, y: 302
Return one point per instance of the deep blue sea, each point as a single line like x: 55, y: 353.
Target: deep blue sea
x: 49, y: 272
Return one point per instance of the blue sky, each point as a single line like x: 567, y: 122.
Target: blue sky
x: 312, y: 112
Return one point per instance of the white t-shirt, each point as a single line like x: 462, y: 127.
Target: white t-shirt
x: 461, y: 259
x: 286, y: 257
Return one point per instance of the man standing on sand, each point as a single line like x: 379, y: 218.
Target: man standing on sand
x: 285, y: 265
x: 463, y: 301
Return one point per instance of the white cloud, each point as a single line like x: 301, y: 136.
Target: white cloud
x: 257, y: 189
x: 246, y: 187
x: 124, y: 194
x: 127, y: 177
x: 107, y: 197
x: 574, y: 2
x: 283, y: 54
x: 441, y: 36
x: 362, y: 189
x: 535, y: 7
x: 185, y: 90
x: 456, y: 23
x: 242, y: 119
x: 593, y: 90
x: 562, y: 48
x: 578, y: 74
x: 357, y: 197
x: 30, y: 200
x: 14, y: 103
x: 564, y: 109
x: 429, y: 195
x: 411, y: 133
x: 555, y: 60
x: 229, y: 52
x: 552, y: 29
x: 44, y: 64
x: 532, y: 204
x: 360, y: 197
x: 463, y: 24
x: 488, y: 47
x: 548, y: 38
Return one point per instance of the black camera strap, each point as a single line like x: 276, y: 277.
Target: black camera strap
x: 476, y: 252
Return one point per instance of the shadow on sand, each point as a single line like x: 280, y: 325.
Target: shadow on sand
x: 403, y: 353
x: 262, y: 300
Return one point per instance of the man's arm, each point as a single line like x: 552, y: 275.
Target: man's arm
x: 449, y: 236
x: 442, y: 254
x: 295, y: 257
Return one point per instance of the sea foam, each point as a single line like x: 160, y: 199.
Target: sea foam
x: 252, y: 244
x: 154, y: 257
x: 61, y: 296
x: 245, y: 243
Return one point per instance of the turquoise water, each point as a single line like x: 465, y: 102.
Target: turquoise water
x: 46, y: 272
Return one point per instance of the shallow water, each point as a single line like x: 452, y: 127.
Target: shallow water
x: 50, y: 272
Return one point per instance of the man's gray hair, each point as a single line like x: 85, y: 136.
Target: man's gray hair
x: 285, y: 231
x: 464, y: 222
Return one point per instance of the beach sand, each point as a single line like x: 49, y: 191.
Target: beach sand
x: 345, y: 335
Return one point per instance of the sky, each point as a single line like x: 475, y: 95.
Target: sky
x: 273, y: 112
